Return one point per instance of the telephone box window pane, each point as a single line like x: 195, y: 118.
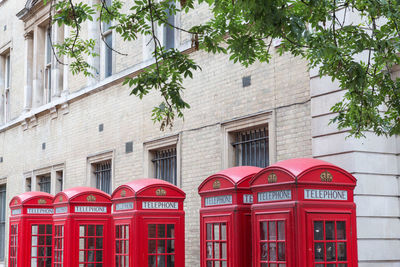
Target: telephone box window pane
x: 264, y: 251
x: 341, y: 230
x: 341, y: 247
x: 272, y: 230
x: 152, y: 230
x: 282, y: 265
x: 216, y: 251
x: 342, y: 265
x: 319, y: 252
x: 331, y: 265
x: 318, y: 231
x: 264, y: 265
x: 223, y: 250
x: 319, y: 265
x: 281, y: 230
x: 170, y: 246
x: 216, y: 231
x: 152, y: 246
x: 330, y: 252
x: 161, y: 231
x: 209, y: 264
x: 330, y: 230
x: 209, y: 231
x: 223, y: 231
x: 170, y: 261
x: 209, y: 250
x: 272, y: 265
x: 281, y: 252
x: 263, y: 231
x: 272, y: 251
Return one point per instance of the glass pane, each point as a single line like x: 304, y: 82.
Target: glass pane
x: 319, y: 252
x: 272, y: 265
x: 42, y: 228
x: 152, y: 261
x: 170, y: 230
x: 318, y: 231
x: 216, y: 231
x: 34, y: 240
x: 330, y: 230
x: 272, y: 230
x: 48, y: 240
x: 263, y: 231
x: 341, y: 251
x: 170, y: 246
x: 161, y: 246
x: 209, y: 250
x: 48, y: 229
x: 209, y: 231
x: 341, y: 230
x: 161, y: 230
x: 209, y: 263
x: 331, y: 265
x: 99, y: 255
x: 264, y: 251
x: 91, y: 229
x: 224, y: 264
x: 342, y: 265
x: 170, y: 261
x: 264, y: 265
x: 160, y: 260
x: 90, y: 243
x: 99, y: 243
x: 152, y: 231
x: 281, y: 252
x: 223, y: 251
x: 330, y: 252
x: 81, y: 243
x: 152, y: 246
x: 281, y: 230
x: 223, y: 231
x: 282, y: 265
x: 319, y: 265
x: 216, y: 251
x: 82, y: 230
x: 34, y: 229
x: 272, y: 251
x: 99, y: 230
x: 81, y: 256
x: 216, y: 264
x: 41, y: 240
x: 34, y: 252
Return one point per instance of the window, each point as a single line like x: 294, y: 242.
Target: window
x: 108, y: 44
x: 2, y: 220
x: 103, y: 176
x: 216, y: 244
x: 41, y: 247
x: 122, y: 245
x: 5, y: 86
x: 163, y: 157
x: 249, y: 141
x: 47, y: 66
x: 251, y: 147
x: 13, y: 245
x: 44, y: 183
x: 272, y: 243
x: 161, y: 247
x: 91, y: 245
x: 168, y: 30
x: 165, y: 164
x: 58, y: 245
x: 28, y: 184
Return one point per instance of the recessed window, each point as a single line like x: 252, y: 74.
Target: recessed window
x: 59, y: 181
x: 251, y: 147
x: 48, y: 67
x: 165, y: 164
x: 108, y: 44
x: 28, y: 184
x: 44, y: 183
x: 102, y: 173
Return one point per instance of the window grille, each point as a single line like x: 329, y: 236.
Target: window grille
x: 44, y: 184
x: 165, y: 165
x: 2, y: 220
x: 251, y: 148
x: 103, y: 176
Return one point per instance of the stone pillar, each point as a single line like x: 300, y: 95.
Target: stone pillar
x: 65, y: 90
x: 38, y: 66
x: 94, y: 33
x: 28, y: 64
x: 57, y: 67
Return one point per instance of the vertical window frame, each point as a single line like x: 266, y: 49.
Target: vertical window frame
x: 107, y: 37
x: 48, y: 63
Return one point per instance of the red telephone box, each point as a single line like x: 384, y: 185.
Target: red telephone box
x: 30, y: 235
x: 82, y: 228
x: 304, y: 215
x: 149, y: 224
x: 225, y: 218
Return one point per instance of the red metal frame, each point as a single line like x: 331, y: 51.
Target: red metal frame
x: 150, y: 207
x: 30, y: 235
x: 82, y: 222
x: 225, y: 204
x: 304, y: 192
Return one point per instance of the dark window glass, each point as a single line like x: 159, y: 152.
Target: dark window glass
x: 44, y: 183
x: 165, y: 165
x: 103, y: 176
x: 252, y: 148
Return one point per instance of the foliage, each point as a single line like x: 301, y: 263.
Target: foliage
x: 359, y: 53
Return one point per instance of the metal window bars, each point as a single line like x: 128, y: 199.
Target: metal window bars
x: 165, y: 165
x: 44, y: 184
x: 103, y: 176
x: 252, y: 147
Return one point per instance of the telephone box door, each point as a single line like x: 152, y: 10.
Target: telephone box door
x: 328, y: 240
x: 215, y: 235
x: 164, y: 242
x: 273, y: 240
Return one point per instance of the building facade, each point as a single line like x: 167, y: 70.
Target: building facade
x: 59, y: 131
